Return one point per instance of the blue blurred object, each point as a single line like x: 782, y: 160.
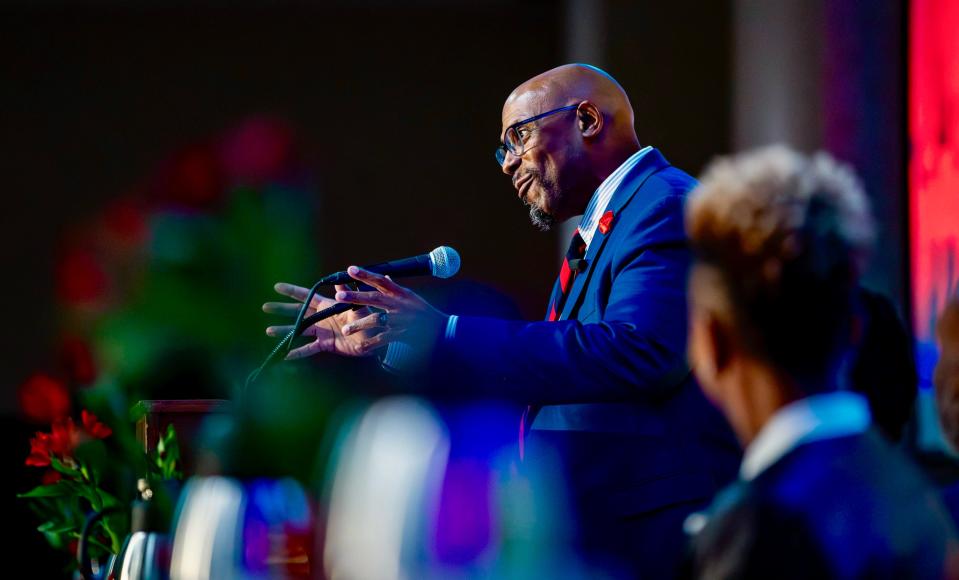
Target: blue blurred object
x: 231, y: 529
x: 414, y: 492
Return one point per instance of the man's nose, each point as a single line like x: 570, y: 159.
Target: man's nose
x: 510, y: 163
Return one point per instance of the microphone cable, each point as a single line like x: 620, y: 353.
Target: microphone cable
x: 443, y: 262
x: 299, y: 327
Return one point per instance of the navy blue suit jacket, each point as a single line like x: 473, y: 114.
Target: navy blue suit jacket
x: 847, y: 507
x: 609, y: 379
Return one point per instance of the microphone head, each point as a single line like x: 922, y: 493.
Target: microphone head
x: 444, y: 262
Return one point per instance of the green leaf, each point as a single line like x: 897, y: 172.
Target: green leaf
x: 95, y: 544
x: 58, y: 489
x: 91, y: 494
x: 115, y: 543
x: 55, y: 527
x: 107, y: 499
x: 166, y: 458
x: 93, y: 458
x: 63, y: 468
x: 57, y: 541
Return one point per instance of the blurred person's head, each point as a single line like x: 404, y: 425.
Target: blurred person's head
x: 561, y: 158
x: 946, y: 376
x: 779, y: 239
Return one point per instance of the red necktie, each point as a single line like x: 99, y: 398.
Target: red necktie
x: 572, y: 264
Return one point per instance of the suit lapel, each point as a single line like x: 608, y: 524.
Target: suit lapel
x: 652, y: 162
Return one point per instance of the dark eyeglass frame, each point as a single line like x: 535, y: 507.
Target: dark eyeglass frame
x: 506, y: 146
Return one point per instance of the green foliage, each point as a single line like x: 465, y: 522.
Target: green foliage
x: 195, y: 310
x: 165, y: 461
x: 182, y: 321
x: 63, y: 506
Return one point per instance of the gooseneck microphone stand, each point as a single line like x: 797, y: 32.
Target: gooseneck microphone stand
x: 301, y: 324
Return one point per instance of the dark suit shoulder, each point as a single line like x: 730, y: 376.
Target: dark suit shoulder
x: 654, y: 217
x: 868, y: 508
x: 749, y: 536
x: 675, y: 180
x: 834, y: 465
x: 663, y: 191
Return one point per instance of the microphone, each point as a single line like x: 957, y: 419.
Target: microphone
x: 443, y: 262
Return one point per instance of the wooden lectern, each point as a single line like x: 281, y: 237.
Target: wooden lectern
x: 185, y: 415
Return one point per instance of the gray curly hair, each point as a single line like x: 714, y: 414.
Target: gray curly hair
x: 788, y: 235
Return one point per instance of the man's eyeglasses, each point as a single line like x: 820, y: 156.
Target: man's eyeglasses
x: 514, y: 140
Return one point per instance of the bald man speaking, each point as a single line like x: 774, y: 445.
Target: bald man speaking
x: 604, y: 378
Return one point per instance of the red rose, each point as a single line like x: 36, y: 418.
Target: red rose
x: 39, y: 451
x: 64, y: 437
x: 44, y: 399
x: 94, y: 427
x: 50, y: 477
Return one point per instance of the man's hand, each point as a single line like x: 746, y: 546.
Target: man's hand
x: 363, y: 331
x: 405, y: 312
x: 328, y: 333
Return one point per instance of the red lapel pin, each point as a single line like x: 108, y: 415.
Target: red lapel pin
x: 606, y: 222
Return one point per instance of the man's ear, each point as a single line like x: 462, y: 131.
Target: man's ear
x: 589, y: 119
x: 722, y: 343
x: 706, y: 351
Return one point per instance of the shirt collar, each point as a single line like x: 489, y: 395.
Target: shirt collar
x: 814, y: 418
x: 604, y: 193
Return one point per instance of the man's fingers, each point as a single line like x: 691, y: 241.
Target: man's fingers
x: 291, y: 291
x: 300, y: 293
x: 306, y: 350
x: 279, y: 330
x: 382, y: 283
x: 378, y: 341
x: 366, y: 323
x: 357, y: 314
x: 377, y: 299
x: 282, y: 308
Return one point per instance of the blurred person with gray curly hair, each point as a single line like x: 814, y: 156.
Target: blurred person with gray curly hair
x: 780, y: 239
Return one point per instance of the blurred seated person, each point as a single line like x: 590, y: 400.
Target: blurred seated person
x: 946, y: 381
x: 882, y: 366
x: 779, y: 240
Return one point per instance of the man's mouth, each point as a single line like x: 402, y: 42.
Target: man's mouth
x: 522, y: 186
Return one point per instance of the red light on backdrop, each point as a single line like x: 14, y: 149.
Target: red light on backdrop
x: 933, y: 160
